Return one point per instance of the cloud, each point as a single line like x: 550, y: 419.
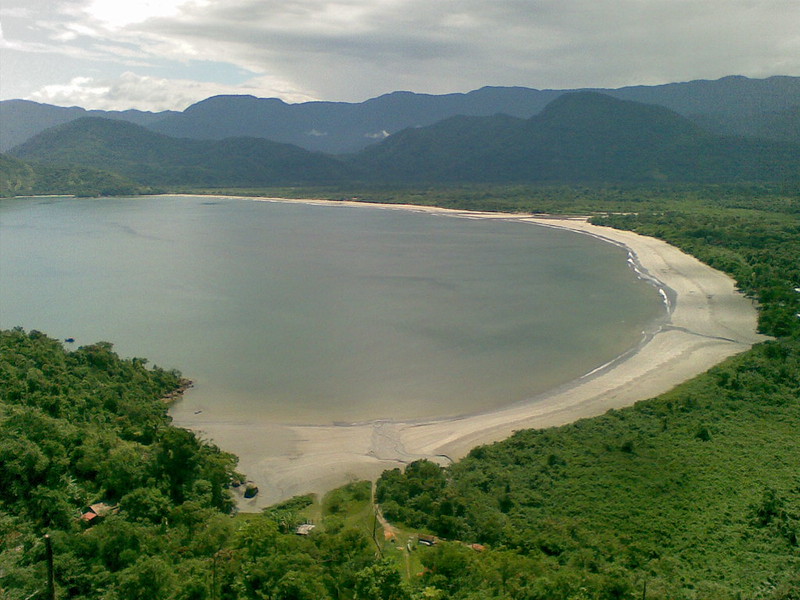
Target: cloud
x: 356, y: 49
x: 115, y: 14
x: 148, y: 93
x: 353, y: 49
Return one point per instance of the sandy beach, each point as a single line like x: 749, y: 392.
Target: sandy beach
x: 708, y: 322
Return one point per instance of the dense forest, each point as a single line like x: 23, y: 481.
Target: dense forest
x: 84, y: 432
x: 691, y: 495
x: 19, y: 178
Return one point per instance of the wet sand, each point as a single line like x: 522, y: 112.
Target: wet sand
x: 708, y: 322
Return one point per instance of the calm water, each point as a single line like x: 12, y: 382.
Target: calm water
x: 322, y: 313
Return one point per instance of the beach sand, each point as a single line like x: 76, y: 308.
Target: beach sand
x: 708, y: 322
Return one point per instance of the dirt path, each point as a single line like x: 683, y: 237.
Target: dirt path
x: 390, y: 532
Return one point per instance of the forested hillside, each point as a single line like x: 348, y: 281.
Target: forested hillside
x: 579, y: 137
x: 22, y: 119
x: 158, y: 160
x: 583, y: 137
x: 85, y: 432
x: 19, y: 178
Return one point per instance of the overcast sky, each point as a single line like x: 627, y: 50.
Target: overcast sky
x: 167, y: 54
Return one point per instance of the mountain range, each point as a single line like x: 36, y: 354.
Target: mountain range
x: 582, y: 137
x: 155, y: 159
x: 766, y: 108
x: 579, y: 137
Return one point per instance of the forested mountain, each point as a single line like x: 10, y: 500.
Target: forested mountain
x: 734, y: 95
x: 584, y: 136
x: 579, y: 137
x: 339, y: 127
x: 735, y: 105
x: 779, y: 125
x: 18, y: 178
x: 22, y: 119
x: 156, y: 159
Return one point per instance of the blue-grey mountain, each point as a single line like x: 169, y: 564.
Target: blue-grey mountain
x: 22, y: 119
x: 155, y: 159
x: 730, y: 106
x: 578, y: 137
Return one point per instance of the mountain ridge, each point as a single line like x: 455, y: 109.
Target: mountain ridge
x: 578, y: 137
x: 734, y: 105
x: 155, y: 159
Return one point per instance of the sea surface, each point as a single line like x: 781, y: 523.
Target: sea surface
x: 317, y: 314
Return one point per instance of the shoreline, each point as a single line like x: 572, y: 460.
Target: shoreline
x: 707, y: 321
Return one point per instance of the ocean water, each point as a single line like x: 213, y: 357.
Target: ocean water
x: 317, y: 314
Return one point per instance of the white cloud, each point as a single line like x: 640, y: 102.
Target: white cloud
x: 151, y: 93
x: 116, y: 14
x: 356, y: 49
x: 74, y: 93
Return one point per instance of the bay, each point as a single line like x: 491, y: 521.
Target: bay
x: 316, y: 314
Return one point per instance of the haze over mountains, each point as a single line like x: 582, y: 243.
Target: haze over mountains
x: 729, y: 106
x: 492, y: 135
x: 156, y: 159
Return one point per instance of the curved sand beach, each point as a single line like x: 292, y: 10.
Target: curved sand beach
x: 708, y: 322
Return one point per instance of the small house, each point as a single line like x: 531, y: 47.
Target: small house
x: 98, y: 511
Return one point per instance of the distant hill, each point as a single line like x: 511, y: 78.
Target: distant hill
x: 22, y: 119
x: 578, y: 137
x: 584, y: 136
x: 18, y: 178
x: 732, y: 105
x: 341, y: 127
x: 733, y: 95
x: 781, y: 125
x: 155, y: 159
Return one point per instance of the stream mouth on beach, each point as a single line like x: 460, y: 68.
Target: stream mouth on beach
x: 305, y: 313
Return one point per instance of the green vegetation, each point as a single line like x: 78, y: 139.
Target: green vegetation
x: 694, y: 494
x: 18, y: 178
x: 86, y: 427
x: 578, y: 137
x: 152, y: 159
x: 691, y: 495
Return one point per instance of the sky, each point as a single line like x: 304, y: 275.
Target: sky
x: 167, y: 54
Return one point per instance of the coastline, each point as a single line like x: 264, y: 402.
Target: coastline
x: 708, y: 321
